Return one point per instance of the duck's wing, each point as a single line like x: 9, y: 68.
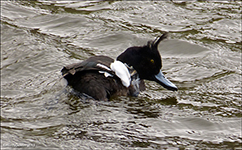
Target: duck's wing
x: 98, y: 63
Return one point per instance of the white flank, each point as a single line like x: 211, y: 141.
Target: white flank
x: 104, y: 67
x: 122, y: 72
x: 135, y: 83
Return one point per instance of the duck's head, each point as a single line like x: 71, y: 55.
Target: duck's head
x: 146, y: 60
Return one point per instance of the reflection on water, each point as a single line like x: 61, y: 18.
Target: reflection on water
x: 202, y: 57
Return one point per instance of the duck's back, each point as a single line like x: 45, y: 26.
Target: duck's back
x: 95, y: 78
x: 96, y: 63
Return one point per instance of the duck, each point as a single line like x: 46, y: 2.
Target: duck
x: 102, y: 77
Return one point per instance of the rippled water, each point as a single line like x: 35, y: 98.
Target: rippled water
x: 202, y: 57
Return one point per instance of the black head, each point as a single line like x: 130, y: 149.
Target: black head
x: 146, y: 60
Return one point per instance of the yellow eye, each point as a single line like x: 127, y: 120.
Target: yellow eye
x: 152, y: 61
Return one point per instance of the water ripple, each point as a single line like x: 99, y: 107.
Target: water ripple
x: 201, y: 56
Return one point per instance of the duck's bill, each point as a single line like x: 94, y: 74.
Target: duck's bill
x: 162, y: 80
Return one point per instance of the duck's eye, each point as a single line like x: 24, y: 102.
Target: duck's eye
x: 152, y: 61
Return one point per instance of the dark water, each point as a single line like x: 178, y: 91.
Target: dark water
x: 202, y: 57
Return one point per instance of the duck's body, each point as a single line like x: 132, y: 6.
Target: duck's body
x: 102, y: 77
x: 95, y: 78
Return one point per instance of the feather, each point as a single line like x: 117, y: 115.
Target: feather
x: 122, y: 72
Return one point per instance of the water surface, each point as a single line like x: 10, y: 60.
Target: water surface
x: 202, y: 57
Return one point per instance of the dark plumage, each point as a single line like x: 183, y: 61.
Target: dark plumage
x: 95, y: 77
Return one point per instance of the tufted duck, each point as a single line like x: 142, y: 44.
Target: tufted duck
x: 102, y: 77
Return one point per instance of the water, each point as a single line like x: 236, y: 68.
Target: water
x: 202, y: 57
